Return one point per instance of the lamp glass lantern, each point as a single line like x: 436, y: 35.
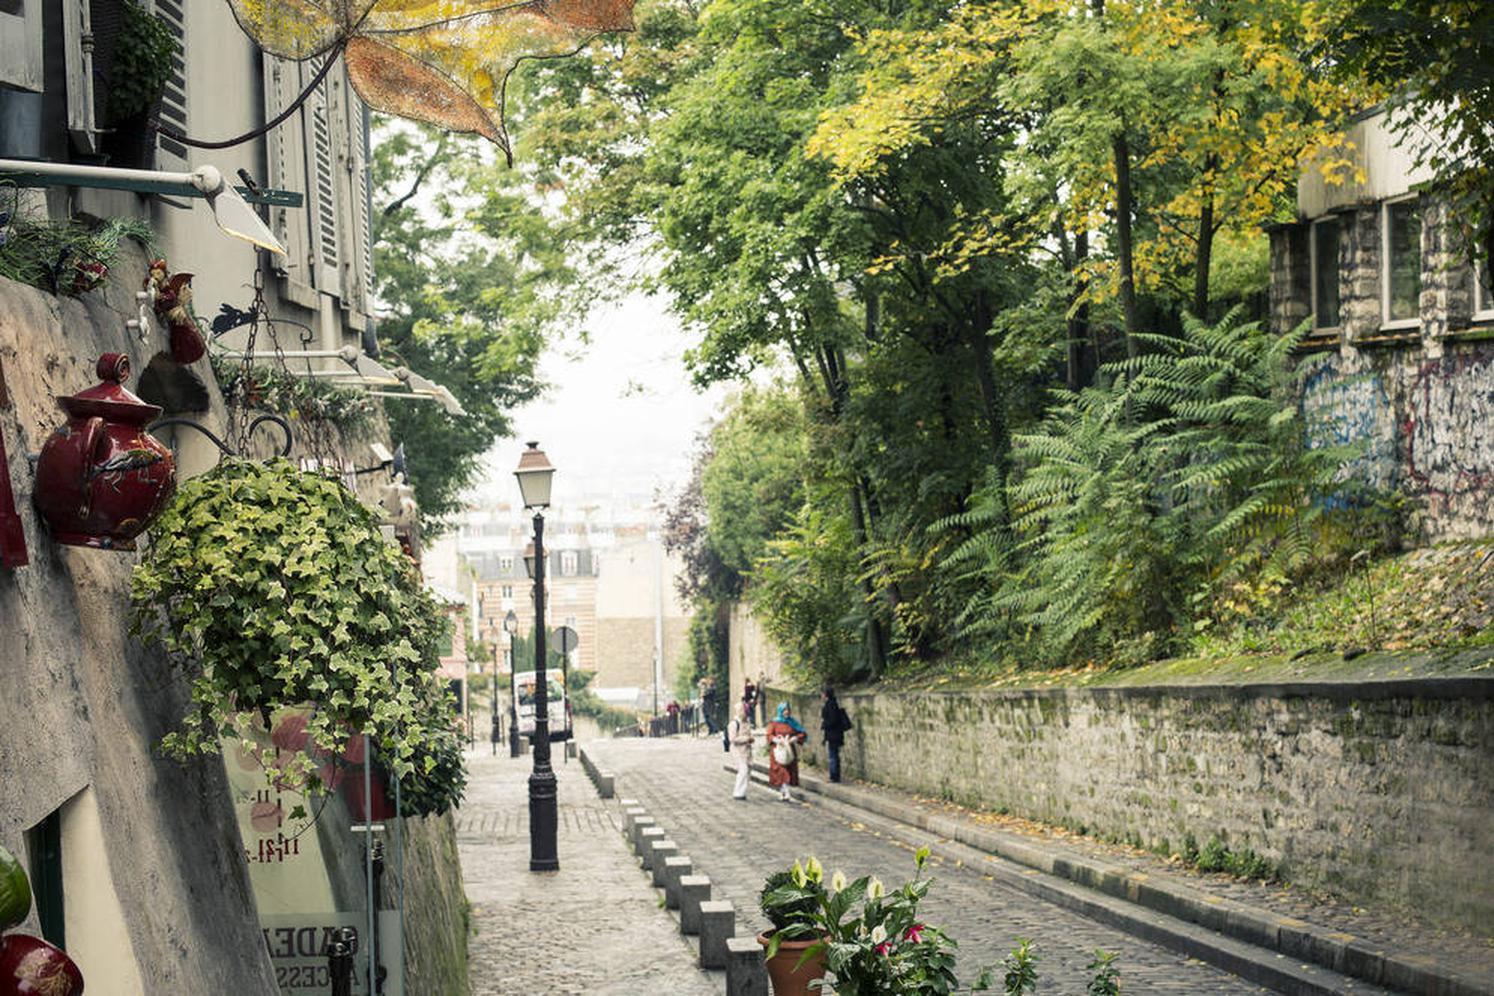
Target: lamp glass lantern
x: 535, y: 474
x: 511, y: 623
x: 529, y: 560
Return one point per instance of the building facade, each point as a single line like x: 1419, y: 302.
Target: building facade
x: 1399, y: 354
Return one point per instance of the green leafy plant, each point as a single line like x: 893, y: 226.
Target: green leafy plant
x: 143, y: 54
x: 1021, y: 969
x: 304, y: 398
x: 791, y: 898
x: 272, y: 586
x: 1106, y: 978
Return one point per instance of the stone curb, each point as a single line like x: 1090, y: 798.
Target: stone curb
x: 1295, y: 939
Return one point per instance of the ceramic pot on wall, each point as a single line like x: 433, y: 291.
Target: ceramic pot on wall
x: 102, y: 478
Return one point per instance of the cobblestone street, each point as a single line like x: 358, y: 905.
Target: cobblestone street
x: 594, y: 927
x: 683, y: 785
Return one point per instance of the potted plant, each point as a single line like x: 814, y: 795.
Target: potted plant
x: 273, y: 587
x: 872, y: 941
x: 792, y: 901
x: 139, y: 57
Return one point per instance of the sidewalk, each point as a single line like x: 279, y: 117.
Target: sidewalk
x: 1379, y: 946
x: 594, y: 928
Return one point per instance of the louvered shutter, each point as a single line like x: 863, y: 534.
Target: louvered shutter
x: 171, y: 154
x: 285, y: 168
x: 21, y: 44
x: 360, y: 287
x: 321, y: 185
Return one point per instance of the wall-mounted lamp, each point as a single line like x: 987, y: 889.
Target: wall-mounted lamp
x: 233, y: 215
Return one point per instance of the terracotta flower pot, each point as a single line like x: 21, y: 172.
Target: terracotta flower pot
x: 788, y: 980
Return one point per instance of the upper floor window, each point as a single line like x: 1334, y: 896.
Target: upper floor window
x: 1400, y: 279
x: 505, y: 564
x: 508, y: 591
x: 1483, y: 290
x: 1325, y: 274
x: 568, y: 562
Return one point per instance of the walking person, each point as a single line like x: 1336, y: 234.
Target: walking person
x: 708, y: 703
x: 750, y: 695
x: 784, y: 737
x: 739, y: 732
x: 762, y: 696
x: 835, y: 723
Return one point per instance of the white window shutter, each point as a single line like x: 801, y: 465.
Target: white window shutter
x: 171, y: 154
x: 360, y: 287
x: 321, y: 185
x: 285, y: 169
x: 77, y: 42
x: 21, y: 44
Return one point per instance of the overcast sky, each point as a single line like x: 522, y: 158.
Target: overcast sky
x: 621, y: 416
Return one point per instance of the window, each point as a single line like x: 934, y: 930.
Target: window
x: 21, y: 44
x: 505, y: 563
x: 1325, y: 274
x: 448, y: 635
x: 508, y: 591
x: 1401, y: 266
x: 1483, y: 291
x: 568, y: 560
x: 174, y: 100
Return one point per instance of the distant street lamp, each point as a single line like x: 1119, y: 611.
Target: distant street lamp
x: 495, y: 732
x: 535, y: 474
x: 511, y: 627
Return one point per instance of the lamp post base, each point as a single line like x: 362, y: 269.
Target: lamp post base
x: 542, y: 822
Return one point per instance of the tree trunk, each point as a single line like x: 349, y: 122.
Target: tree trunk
x: 1125, y: 251
x: 1205, y: 251
x: 1082, y: 356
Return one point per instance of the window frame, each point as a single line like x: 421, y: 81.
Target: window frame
x: 1388, y: 324
x: 1312, y: 269
x: 22, y: 64
x: 1483, y: 295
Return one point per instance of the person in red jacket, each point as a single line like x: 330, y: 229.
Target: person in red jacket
x: 784, y: 737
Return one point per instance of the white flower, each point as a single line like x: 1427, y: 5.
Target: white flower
x: 838, y: 880
x: 813, y: 870
x: 875, y: 889
x: 798, y: 873
x: 878, y: 934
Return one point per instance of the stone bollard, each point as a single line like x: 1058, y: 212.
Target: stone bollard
x: 627, y: 803
x: 640, y: 824
x: 646, y: 838
x: 570, y: 748
x: 631, y: 813
x: 657, y: 853
x: 605, y: 781
x: 746, y: 972
x: 676, y: 867
x: 718, y: 922
x: 694, y: 890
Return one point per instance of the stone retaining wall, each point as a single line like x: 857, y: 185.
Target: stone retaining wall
x: 1382, y: 792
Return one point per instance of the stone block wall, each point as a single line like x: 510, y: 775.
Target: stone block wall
x: 1379, y: 791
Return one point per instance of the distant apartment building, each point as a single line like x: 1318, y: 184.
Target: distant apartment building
x: 608, y: 579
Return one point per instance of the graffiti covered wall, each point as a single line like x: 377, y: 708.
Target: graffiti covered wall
x: 1425, y: 424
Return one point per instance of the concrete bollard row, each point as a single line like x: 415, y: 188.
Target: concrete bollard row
x: 694, y: 890
x: 603, y: 780
x: 646, y: 838
x: 675, y: 868
x: 640, y: 824
x: 658, y: 851
x: 718, y: 924
x: 746, y: 969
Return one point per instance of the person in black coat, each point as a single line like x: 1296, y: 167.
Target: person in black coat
x: 834, y: 722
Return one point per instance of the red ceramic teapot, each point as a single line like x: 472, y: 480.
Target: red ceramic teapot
x: 102, y: 478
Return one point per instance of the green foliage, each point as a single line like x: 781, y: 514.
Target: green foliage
x: 1245, y: 863
x: 1106, y: 976
x: 1020, y: 968
x: 274, y: 587
x: 786, y: 901
x: 67, y: 257
x: 297, y: 398
x: 476, y: 276
x: 804, y: 591
x: 1189, y: 472
x: 142, y: 63
x: 586, y: 702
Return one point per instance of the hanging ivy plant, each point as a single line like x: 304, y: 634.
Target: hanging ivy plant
x: 273, y: 586
x: 437, y: 775
x: 295, y: 397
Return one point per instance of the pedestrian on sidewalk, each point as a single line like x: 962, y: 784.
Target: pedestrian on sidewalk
x: 784, y: 737
x: 835, y: 723
x: 750, y: 693
x: 708, y: 703
x: 739, y: 732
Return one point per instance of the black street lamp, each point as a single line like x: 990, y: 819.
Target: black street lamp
x: 534, y: 475
x: 511, y: 627
x: 495, y: 733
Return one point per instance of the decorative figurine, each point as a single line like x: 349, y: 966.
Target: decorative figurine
x: 174, y: 305
x: 102, y: 478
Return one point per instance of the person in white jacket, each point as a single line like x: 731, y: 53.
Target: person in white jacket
x: 740, y: 734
